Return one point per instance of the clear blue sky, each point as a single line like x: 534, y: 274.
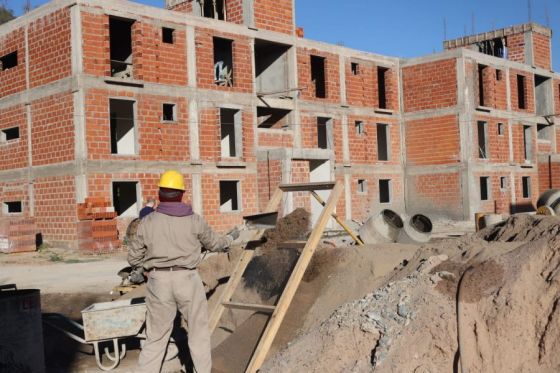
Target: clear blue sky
x: 406, y: 28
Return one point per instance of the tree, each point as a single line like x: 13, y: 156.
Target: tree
x: 5, y: 13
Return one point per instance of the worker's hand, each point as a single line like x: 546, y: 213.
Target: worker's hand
x: 136, y: 276
x: 234, y: 233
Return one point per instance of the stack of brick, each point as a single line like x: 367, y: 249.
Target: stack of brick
x: 17, y: 235
x: 97, y: 227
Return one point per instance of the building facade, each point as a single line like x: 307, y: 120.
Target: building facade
x: 98, y: 97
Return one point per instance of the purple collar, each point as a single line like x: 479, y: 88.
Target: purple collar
x: 175, y: 209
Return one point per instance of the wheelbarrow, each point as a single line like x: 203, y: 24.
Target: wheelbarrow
x: 106, y: 322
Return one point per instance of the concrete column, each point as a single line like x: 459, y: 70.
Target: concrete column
x: 193, y: 131
x: 348, y: 194
x: 76, y: 40
x: 508, y: 90
x: 529, y: 56
x: 294, y: 83
x: 30, y: 177
x: 191, y: 56
x: 510, y: 139
x: 248, y: 13
x: 197, y: 193
x: 342, y: 77
x: 288, y: 200
x: 345, y: 141
x: 466, y: 106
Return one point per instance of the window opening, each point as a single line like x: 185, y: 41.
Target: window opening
x: 527, y: 143
x: 324, y: 139
x: 359, y: 125
x: 355, y: 68
x: 544, y: 132
x: 167, y: 35
x: 494, y: 47
x: 543, y: 96
x: 382, y: 86
x: 9, y: 134
x: 382, y: 142
x: 120, y: 44
x: 9, y: 61
x: 498, y: 75
x: 125, y: 198
x: 229, y: 196
x: 481, y: 85
x: 169, y: 114
x: 526, y: 181
x: 521, y: 92
x: 223, y: 62
x: 482, y: 140
x: 501, y: 129
x: 318, y: 76
x: 384, y: 191
x: 213, y: 9
x: 272, y: 118
x: 13, y: 207
x: 484, y: 188
x: 503, y: 183
x: 228, y: 137
x: 271, y: 67
x: 362, y: 186
x: 123, y: 132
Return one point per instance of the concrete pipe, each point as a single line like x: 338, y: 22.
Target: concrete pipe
x: 417, y: 229
x: 550, y: 198
x: 492, y: 219
x: 381, y: 228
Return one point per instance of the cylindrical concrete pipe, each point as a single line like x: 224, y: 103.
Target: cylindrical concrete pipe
x: 381, y: 228
x: 550, y: 198
x: 417, y: 229
x: 492, y: 219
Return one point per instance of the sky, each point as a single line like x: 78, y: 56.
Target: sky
x: 406, y: 28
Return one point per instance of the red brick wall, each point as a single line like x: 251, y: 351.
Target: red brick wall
x: 541, y: 51
x: 160, y: 62
x: 13, y: 80
x: 53, y: 129
x: 433, y: 141
x: 495, y: 91
x: 300, y: 174
x: 274, y: 15
x: 184, y: 7
x: 365, y: 204
x: 438, y: 194
x: 275, y: 138
x: 269, y: 176
x: 13, y: 154
x: 499, y: 200
x: 362, y: 89
x: 526, y: 203
x: 223, y: 221
x: 519, y: 144
x: 12, y: 191
x: 157, y: 140
x: 516, y: 47
x: 242, y: 71
x: 556, y: 91
x: 96, y: 50
x: 498, y: 144
x: 332, y: 75
x: 529, y: 91
x: 309, y: 135
x: 55, y: 207
x: 234, y: 10
x: 549, y: 175
x: 50, y: 56
x: 363, y: 148
x: 431, y: 85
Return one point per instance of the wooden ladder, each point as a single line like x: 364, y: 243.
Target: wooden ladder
x: 279, y: 310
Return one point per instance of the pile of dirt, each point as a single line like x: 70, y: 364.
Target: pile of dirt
x: 496, y: 292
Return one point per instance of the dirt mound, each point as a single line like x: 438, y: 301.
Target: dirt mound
x: 500, y: 299
x: 522, y: 227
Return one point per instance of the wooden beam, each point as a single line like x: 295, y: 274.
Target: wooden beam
x: 307, y: 187
x: 291, y: 287
x: 250, y: 307
x: 242, y: 264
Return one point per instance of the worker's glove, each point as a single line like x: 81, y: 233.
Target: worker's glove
x: 234, y: 233
x: 136, y: 276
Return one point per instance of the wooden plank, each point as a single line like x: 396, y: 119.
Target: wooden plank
x: 250, y: 307
x: 292, y: 244
x: 242, y: 264
x: 291, y: 287
x: 307, y: 187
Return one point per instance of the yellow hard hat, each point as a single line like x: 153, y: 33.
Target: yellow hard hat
x: 172, y: 179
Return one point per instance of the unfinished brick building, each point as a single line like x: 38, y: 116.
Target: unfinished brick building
x: 98, y: 97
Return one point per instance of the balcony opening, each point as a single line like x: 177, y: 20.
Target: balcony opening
x: 215, y: 9
x: 12, y: 207
x: 125, y: 198
x: 120, y: 44
x: 382, y: 86
x: 123, y: 131
x: 543, y: 95
x: 382, y: 142
x: 527, y: 143
x: 318, y: 76
x: 230, y: 199
x: 526, y: 181
x: 223, y: 62
x: 271, y: 67
x: 521, y: 89
x: 384, y: 191
x: 230, y: 133
x: 484, y: 188
x: 482, y: 131
x: 9, y: 134
x: 272, y: 118
x: 9, y: 61
x: 169, y: 113
x: 324, y: 133
x: 167, y: 35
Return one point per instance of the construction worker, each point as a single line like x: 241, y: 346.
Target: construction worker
x: 168, y: 245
